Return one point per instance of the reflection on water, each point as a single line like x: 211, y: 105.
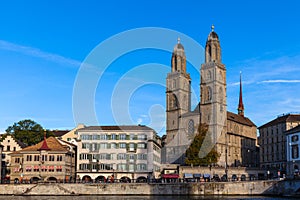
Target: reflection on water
x: 139, y: 197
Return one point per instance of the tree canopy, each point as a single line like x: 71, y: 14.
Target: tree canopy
x: 27, y: 131
x: 192, y: 153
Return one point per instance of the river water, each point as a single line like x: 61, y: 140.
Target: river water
x: 141, y: 197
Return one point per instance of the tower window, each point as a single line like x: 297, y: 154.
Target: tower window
x: 191, y: 127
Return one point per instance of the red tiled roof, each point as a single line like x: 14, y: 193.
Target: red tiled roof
x: 52, y: 143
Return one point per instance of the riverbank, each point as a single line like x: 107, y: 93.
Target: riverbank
x: 272, y: 187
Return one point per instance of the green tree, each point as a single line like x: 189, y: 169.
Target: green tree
x: 192, y: 153
x: 27, y: 131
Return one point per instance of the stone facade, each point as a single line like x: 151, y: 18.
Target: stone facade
x: 272, y: 142
x: 124, y: 152
x: 232, y: 135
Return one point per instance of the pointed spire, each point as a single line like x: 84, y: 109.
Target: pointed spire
x: 44, y: 144
x: 212, y: 28
x: 178, y: 40
x: 241, y: 105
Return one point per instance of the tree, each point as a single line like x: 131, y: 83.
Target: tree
x: 27, y: 131
x: 192, y: 153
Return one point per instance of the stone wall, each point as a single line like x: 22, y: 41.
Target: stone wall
x: 210, y: 188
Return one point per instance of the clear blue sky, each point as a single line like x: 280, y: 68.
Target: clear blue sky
x: 43, y: 43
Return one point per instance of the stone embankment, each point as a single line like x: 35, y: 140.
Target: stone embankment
x: 284, y: 188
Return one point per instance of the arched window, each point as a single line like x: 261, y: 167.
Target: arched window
x: 191, y: 127
x: 209, y: 93
x: 209, y: 53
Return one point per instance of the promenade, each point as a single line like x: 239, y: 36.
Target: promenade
x: 270, y: 187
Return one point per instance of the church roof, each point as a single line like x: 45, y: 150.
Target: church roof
x: 239, y: 119
x: 282, y: 119
x: 230, y: 116
x: 213, y: 35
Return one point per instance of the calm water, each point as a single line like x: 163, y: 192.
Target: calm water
x: 138, y: 198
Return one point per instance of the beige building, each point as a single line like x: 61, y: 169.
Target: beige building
x: 272, y: 142
x: 10, y: 144
x: 71, y: 136
x: 126, y: 153
x: 51, y: 160
x: 232, y: 135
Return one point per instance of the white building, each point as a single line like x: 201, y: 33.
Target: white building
x: 126, y: 153
x: 10, y: 144
x: 293, y: 145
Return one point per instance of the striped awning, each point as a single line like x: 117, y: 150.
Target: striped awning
x: 170, y: 175
x: 187, y: 175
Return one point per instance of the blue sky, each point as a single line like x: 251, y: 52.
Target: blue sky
x: 44, y: 43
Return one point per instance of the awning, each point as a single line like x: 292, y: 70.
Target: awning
x: 170, y: 176
x: 188, y: 175
x: 197, y: 175
x: 206, y: 175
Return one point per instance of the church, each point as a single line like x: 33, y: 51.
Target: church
x: 231, y: 134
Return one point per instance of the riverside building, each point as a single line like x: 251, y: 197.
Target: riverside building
x: 51, y: 160
x: 273, y: 143
x: 126, y: 153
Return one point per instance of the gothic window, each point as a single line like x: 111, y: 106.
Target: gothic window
x: 208, y: 75
x: 191, y: 127
x: 209, y: 93
x: 174, y: 101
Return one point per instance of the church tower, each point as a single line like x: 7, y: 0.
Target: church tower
x: 178, y: 91
x: 213, y: 106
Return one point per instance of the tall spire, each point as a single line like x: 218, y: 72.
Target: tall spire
x: 241, y: 105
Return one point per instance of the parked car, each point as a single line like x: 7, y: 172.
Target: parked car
x: 243, y: 177
x: 234, y: 177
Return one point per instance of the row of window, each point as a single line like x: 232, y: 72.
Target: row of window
x: 113, y: 137
x: 106, y: 156
x: 121, y: 167
x: 98, y: 146
x: 44, y: 158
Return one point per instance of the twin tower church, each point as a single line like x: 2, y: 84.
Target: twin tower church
x: 232, y: 135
